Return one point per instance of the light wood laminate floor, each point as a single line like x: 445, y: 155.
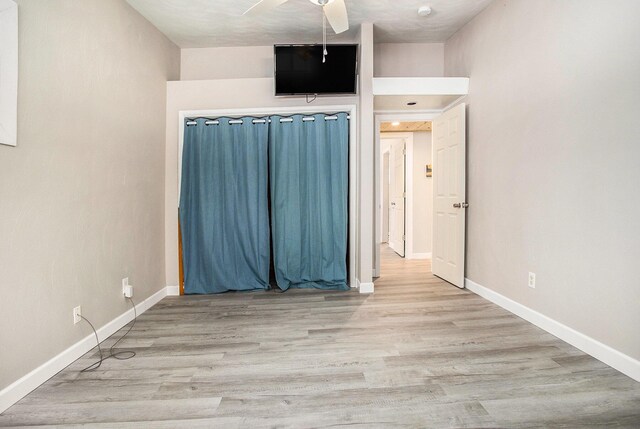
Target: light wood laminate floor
x: 418, y: 353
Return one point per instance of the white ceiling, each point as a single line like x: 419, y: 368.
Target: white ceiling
x: 210, y: 23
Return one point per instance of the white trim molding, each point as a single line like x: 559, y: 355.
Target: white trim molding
x: 365, y: 287
x: 173, y: 290
x: 8, y: 72
x: 25, y: 385
x: 454, y: 103
x: 615, y: 359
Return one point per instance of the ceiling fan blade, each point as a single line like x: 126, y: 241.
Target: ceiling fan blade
x: 263, y: 6
x: 336, y: 13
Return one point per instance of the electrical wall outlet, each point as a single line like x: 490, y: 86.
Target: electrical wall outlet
x: 532, y: 280
x: 127, y: 291
x: 77, y: 315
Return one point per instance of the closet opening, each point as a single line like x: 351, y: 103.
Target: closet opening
x: 298, y: 180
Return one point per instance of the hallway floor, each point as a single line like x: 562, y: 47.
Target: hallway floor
x: 419, y: 353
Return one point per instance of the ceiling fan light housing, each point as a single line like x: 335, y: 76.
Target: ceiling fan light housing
x: 321, y: 2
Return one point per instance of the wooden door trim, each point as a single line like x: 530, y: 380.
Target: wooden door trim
x: 180, y: 262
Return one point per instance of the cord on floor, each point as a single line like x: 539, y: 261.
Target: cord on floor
x: 123, y: 355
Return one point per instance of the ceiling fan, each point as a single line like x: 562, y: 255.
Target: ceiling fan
x: 335, y: 11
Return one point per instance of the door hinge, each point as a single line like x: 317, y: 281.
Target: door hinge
x: 404, y: 151
x: 404, y: 237
x: 404, y: 195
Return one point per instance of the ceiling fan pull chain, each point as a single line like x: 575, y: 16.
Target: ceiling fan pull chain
x: 324, y: 36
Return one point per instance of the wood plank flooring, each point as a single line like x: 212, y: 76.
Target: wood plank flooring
x: 419, y: 353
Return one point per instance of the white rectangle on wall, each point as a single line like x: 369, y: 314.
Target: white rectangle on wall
x: 8, y: 72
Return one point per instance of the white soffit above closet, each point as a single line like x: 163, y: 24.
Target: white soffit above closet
x: 215, y: 23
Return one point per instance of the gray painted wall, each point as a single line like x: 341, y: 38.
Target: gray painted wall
x: 245, y: 62
x: 408, y: 60
x: 241, y: 62
x: 82, y: 195
x: 554, y: 108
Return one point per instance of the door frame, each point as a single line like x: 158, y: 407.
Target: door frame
x: 390, y: 117
x: 351, y: 109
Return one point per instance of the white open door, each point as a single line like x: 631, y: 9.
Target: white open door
x: 449, y: 150
x: 385, y: 198
x: 396, y: 196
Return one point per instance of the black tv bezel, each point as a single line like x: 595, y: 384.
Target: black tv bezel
x: 324, y: 94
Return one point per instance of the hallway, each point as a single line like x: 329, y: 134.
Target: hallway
x: 396, y: 270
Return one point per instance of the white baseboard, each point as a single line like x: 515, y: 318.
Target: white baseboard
x: 419, y: 256
x: 173, y: 290
x: 365, y: 287
x: 22, y: 387
x: 615, y: 359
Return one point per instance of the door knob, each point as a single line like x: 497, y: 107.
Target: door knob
x: 465, y: 205
x: 457, y: 205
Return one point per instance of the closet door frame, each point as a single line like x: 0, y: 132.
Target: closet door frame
x: 353, y: 144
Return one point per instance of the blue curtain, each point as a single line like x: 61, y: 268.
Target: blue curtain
x: 224, y: 215
x: 308, y: 162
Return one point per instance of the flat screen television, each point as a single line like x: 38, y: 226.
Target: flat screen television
x: 299, y: 70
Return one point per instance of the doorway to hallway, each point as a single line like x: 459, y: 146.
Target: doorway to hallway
x: 434, y: 191
x: 406, y: 193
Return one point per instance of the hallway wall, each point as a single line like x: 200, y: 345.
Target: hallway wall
x: 422, y: 196
x: 408, y: 60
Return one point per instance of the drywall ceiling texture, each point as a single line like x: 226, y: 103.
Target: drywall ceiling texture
x: 83, y: 192
x: 211, y: 23
x: 553, y: 149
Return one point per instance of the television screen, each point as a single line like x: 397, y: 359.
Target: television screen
x: 299, y: 69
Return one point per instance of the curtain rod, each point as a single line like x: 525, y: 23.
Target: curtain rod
x: 192, y: 121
